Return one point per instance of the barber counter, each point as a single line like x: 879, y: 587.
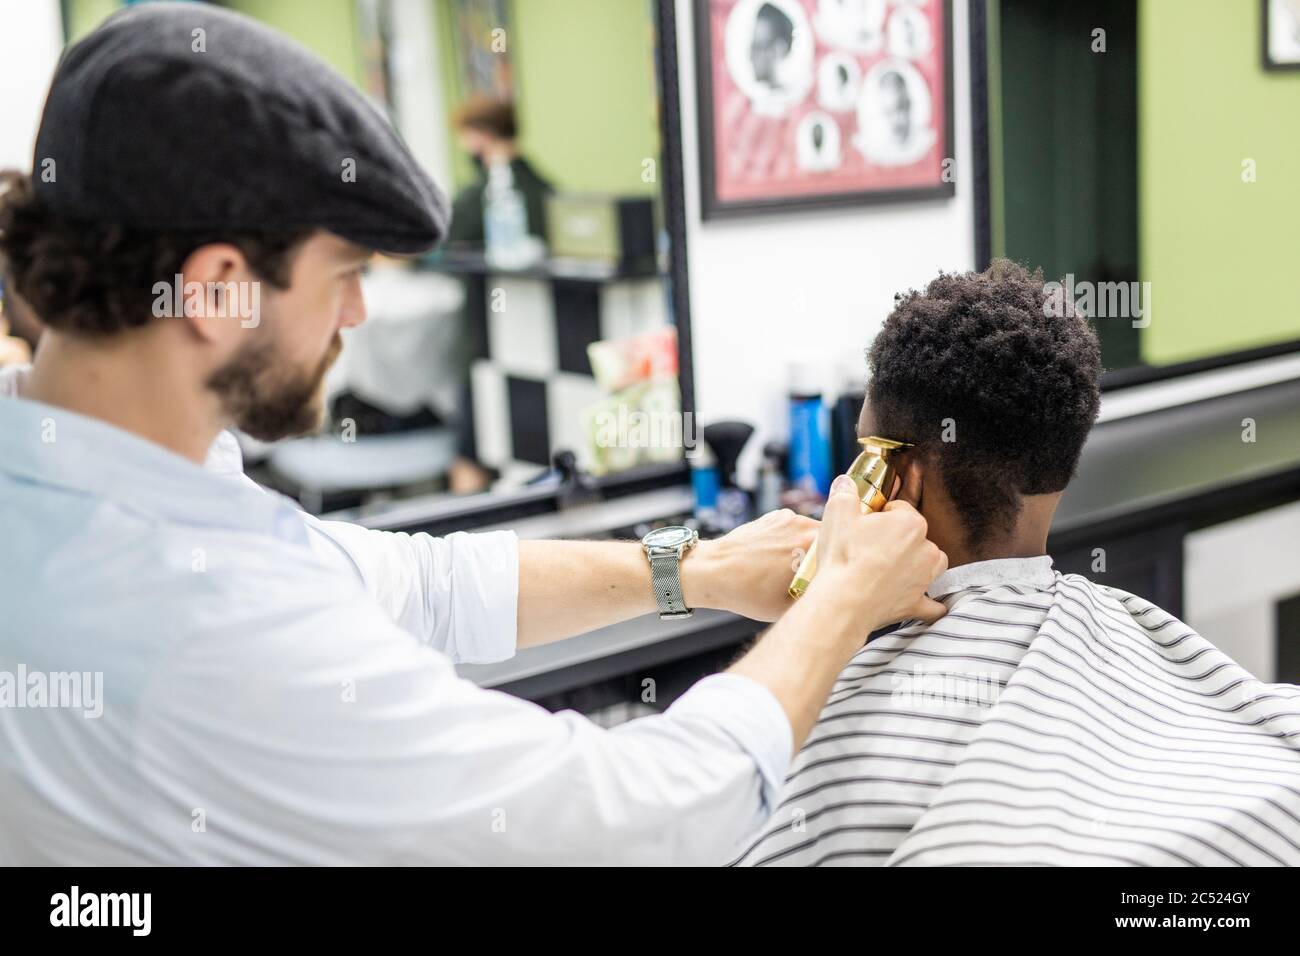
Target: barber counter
x: 1144, y: 484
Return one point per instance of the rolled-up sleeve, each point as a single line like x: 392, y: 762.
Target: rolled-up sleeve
x: 458, y: 594
x: 755, y: 719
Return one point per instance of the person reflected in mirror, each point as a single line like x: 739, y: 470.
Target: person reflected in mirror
x: 487, y: 129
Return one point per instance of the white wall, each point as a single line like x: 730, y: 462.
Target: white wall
x: 813, y: 285
x: 31, y: 36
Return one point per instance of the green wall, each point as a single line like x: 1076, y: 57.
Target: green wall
x: 1222, y: 256
x: 585, y: 86
x: 327, y: 27
x: 583, y: 72
x: 585, y: 93
x: 82, y: 16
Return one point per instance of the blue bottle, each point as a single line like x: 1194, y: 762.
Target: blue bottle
x: 705, y: 482
x: 810, y: 441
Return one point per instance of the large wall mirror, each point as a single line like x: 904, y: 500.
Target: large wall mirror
x: 546, y: 343
x: 1158, y: 182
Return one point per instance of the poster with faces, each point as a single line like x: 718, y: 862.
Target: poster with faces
x: 1282, y: 34
x: 815, y: 100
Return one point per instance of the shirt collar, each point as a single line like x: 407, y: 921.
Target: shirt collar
x: 1035, y: 573
x: 55, y: 447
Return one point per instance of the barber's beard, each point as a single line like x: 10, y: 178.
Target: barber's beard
x: 267, y: 400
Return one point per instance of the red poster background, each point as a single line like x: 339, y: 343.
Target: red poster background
x: 754, y: 155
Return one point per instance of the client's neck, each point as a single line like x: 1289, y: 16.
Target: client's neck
x: 1025, y: 538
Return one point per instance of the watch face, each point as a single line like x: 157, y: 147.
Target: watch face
x: 667, y: 537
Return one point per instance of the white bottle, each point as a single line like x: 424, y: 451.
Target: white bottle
x: 505, y: 221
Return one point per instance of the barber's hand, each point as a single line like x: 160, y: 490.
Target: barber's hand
x: 748, y: 571
x: 882, y: 562
x: 14, y: 351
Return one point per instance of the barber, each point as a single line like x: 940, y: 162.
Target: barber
x: 274, y: 688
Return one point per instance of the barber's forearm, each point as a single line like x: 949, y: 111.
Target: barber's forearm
x: 802, y: 654
x: 571, y: 587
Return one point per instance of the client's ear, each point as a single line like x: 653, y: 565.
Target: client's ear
x: 911, y: 478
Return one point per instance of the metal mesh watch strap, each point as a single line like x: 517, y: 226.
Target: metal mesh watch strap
x: 666, y: 577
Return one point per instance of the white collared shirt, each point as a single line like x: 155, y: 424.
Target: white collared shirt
x: 198, y: 672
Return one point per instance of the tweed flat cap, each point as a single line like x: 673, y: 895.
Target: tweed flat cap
x: 187, y: 118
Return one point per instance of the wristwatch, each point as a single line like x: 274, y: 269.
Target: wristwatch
x: 665, y: 547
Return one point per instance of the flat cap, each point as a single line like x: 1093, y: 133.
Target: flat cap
x: 187, y: 118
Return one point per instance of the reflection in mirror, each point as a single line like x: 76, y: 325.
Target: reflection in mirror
x: 542, y: 330
x: 1166, y: 238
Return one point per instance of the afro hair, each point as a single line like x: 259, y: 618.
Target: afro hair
x: 989, y: 382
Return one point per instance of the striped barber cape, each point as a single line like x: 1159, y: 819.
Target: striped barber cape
x: 1046, y: 720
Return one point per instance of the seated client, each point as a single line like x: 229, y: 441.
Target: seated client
x: 1047, y: 719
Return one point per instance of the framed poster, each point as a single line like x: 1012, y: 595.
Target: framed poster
x: 1280, y: 33
x: 815, y: 103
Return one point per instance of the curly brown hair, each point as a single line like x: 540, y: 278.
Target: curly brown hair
x: 489, y: 115
x: 97, y: 279
x: 1020, y: 387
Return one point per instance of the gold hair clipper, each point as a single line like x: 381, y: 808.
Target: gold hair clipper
x: 873, y: 473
